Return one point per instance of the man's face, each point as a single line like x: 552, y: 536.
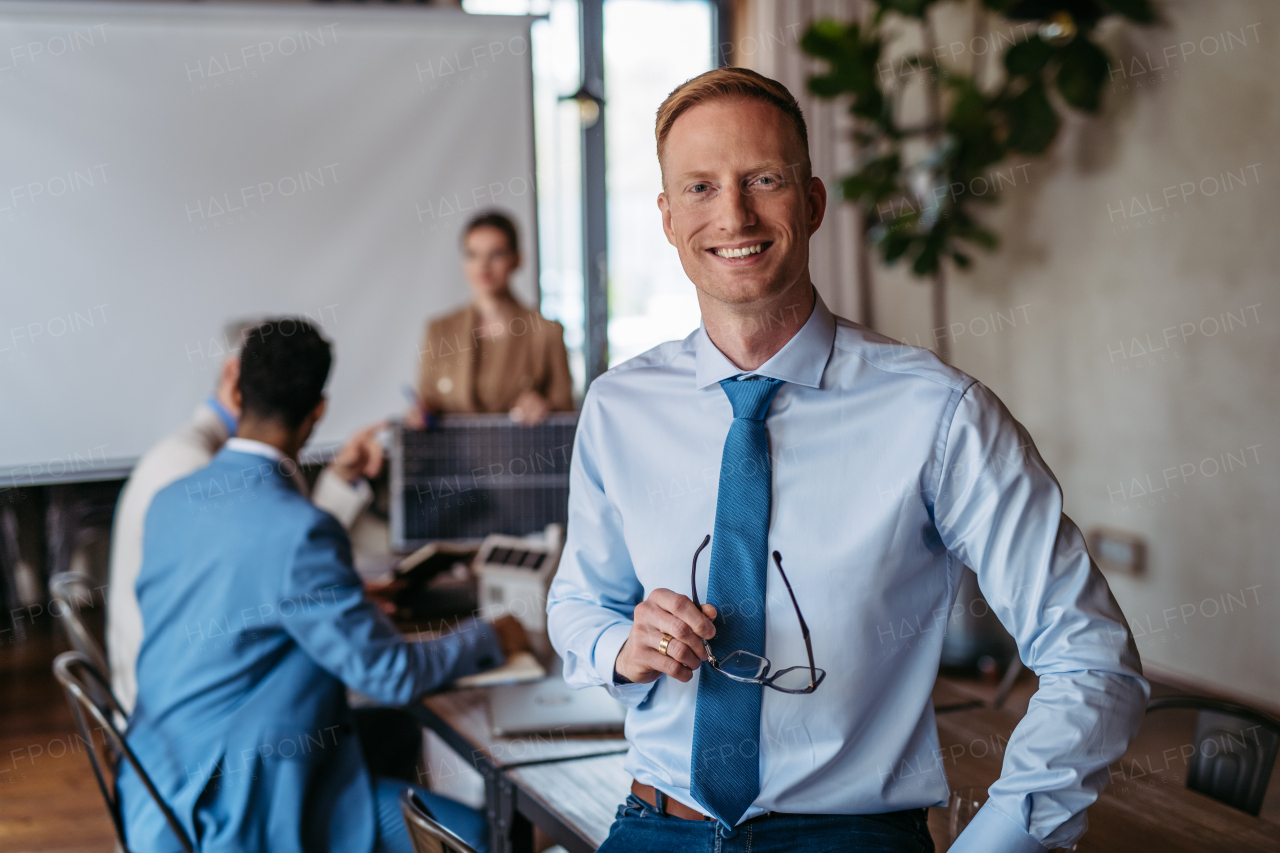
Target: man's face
x: 736, y: 203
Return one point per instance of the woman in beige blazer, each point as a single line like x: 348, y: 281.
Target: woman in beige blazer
x: 494, y: 355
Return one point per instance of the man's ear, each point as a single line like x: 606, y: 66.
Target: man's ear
x: 665, y: 207
x: 318, y: 412
x: 228, y: 391
x: 817, y: 197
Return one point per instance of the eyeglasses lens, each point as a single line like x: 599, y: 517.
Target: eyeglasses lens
x: 744, y: 665
x: 796, y: 677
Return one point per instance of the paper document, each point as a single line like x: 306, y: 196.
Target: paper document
x: 522, y: 666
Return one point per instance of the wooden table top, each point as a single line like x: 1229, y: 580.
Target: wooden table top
x: 948, y: 697
x: 584, y: 794
x: 465, y: 713
x: 1134, y: 813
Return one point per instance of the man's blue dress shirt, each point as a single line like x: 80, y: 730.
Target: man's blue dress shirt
x: 891, y: 472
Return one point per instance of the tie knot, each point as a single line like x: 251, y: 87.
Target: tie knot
x: 750, y: 398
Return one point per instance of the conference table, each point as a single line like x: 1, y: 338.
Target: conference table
x: 461, y: 719
x: 570, y: 787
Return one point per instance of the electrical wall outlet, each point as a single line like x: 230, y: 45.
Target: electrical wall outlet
x: 1118, y: 551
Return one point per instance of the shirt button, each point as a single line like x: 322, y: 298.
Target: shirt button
x: 445, y: 385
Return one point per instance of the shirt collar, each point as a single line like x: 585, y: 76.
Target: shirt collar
x: 228, y: 419
x: 801, y: 361
x: 257, y: 448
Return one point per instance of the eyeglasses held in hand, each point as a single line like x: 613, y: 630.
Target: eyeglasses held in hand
x: 752, y: 668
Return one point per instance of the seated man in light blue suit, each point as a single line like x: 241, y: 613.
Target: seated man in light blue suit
x: 256, y: 623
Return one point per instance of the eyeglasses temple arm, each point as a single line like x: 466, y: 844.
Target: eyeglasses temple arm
x: 693, y: 574
x: 693, y: 585
x: 804, y: 628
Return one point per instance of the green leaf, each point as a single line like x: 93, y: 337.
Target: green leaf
x: 1033, y: 124
x: 874, y: 182
x: 824, y: 39
x: 962, y: 260
x: 1082, y: 74
x: 970, y: 105
x: 826, y: 86
x: 1138, y: 11
x: 926, y: 262
x: 853, y: 66
x: 895, y: 244
x: 931, y: 250
x: 1028, y: 57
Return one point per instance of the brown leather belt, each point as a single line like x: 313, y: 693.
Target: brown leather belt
x: 671, y: 807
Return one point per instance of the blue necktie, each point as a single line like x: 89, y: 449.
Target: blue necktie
x: 725, y: 766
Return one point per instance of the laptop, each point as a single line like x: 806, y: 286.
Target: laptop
x: 550, y: 705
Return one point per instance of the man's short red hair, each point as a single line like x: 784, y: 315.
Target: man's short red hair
x: 730, y: 84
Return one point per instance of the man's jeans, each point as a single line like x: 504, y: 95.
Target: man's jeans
x: 640, y: 828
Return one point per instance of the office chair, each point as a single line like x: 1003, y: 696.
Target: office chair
x: 426, y: 835
x: 81, y: 681
x: 70, y: 591
x: 1010, y: 678
x: 1235, y: 750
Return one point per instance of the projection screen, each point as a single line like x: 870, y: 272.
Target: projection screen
x: 169, y: 168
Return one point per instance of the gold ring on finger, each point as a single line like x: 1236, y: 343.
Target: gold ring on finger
x: 662, y: 647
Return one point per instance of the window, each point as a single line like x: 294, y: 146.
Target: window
x: 650, y: 47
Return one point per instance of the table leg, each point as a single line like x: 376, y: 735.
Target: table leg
x: 509, y: 831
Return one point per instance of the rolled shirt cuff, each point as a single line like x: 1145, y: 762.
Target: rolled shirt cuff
x: 344, y: 501
x: 606, y: 653
x: 480, y: 646
x: 992, y: 831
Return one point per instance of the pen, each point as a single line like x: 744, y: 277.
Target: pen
x: 428, y: 419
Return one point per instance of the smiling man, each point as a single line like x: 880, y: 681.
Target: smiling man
x: 788, y: 712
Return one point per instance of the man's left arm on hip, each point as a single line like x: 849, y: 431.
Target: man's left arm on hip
x: 998, y: 509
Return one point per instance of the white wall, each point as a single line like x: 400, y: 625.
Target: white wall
x: 1082, y: 279
x: 170, y: 167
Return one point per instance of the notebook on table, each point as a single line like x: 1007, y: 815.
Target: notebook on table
x: 521, y: 666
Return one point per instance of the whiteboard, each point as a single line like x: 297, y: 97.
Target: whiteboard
x: 167, y: 168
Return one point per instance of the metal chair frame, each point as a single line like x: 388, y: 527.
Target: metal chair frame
x: 71, y: 669
x: 426, y: 835
x: 1199, y: 777
x: 62, y: 588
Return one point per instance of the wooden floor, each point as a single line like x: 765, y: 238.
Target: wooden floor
x: 49, y: 801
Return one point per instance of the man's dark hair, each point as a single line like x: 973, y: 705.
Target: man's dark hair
x: 494, y: 219
x: 283, y: 367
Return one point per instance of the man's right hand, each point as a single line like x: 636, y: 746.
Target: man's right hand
x: 665, y: 613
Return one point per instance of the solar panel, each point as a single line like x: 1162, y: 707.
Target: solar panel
x: 474, y: 475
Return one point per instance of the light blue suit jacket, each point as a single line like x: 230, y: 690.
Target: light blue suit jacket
x: 254, y: 622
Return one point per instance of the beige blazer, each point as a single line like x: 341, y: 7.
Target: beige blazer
x: 468, y: 368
